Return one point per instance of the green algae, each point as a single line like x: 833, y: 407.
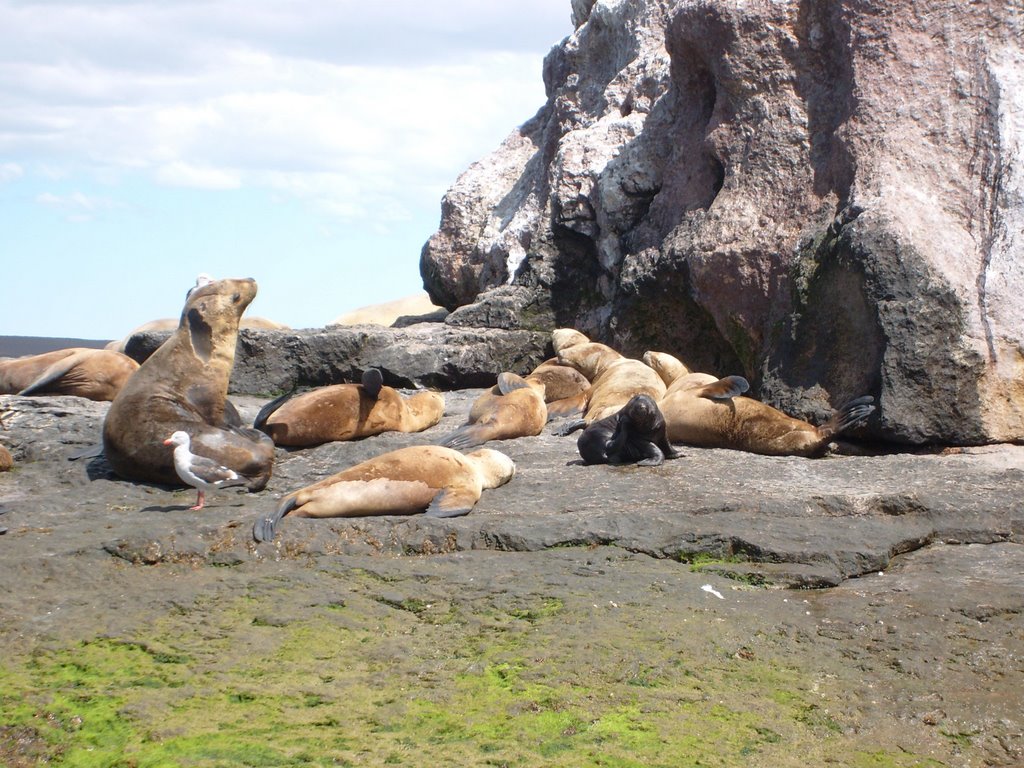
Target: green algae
x: 367, y: 681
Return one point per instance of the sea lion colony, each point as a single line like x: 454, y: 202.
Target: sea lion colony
x: 631, y: 411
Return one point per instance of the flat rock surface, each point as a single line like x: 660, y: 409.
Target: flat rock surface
x: 919, y: 558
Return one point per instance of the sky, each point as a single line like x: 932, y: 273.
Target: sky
x: 304, y: 143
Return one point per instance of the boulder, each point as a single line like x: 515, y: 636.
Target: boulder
x: 824, y: 198
x: 431, y: 355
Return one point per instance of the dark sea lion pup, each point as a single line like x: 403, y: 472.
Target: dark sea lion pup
x: 431, y: 479
x: 633, y: 434
x: 183, y: 386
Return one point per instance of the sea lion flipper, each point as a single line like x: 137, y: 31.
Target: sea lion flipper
x: 466, y: 436
x: 852, y: 413
x: 510, y: 382
x: 260, y: 422
x: 53, y: 373
x: 569, y: 427
x: 567, y: 406
x: 265, y: 528
x: 724, y: 389
x: 451, y: 503
x: 372, y: 382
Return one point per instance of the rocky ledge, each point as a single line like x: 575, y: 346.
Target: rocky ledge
x: 778, y: 520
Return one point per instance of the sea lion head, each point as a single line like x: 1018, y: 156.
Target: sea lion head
x: 642, y: 412
x: 494, y: 467
x: 561, y: 338
x: 212, y: 313
x: 668, y: 366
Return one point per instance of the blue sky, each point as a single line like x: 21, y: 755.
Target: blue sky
x: 304, y: 143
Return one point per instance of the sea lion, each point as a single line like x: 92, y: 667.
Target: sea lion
x: 614, y: 378
x: 439, y: 481
x: 670, y: 368
x: 170, y: 324
x: 388, y: 312
x: 183, y: 386
x: 633, y: 434
x: 347, y: 412
x: 563, y: 338
x: 6, y: 460
x: 514, y: 407
x: 712, y: 413
x: 96, y: 374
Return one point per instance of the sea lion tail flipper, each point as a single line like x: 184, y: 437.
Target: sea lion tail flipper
x: 567, y: 406
x: 850, y: 415
x: 372, y: 381
x: 569, y: 427
x: 724, y: 389
x: 265, y: 527
x: 260, y: 422
x: 451, y: 503
x: 53, y: 373
x: 466, y: 436
x: 510, y: 382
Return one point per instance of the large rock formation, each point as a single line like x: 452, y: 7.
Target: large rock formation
x: 826, y: 197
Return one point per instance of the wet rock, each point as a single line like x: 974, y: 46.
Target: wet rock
x: 779, y: 520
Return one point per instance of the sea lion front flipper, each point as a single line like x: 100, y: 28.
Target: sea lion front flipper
x: 510, y: 382
x: 567, y: 406
x: 265, y: 528
x: 372, y: 382
x: 451, y: 502
x: 724, y: 389
x: 232, y: 418
x: 53, y: 373
x: 466, y: 436
x: 569, y: 427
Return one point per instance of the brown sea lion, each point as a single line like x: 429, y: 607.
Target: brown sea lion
x: 614, y: 378
x: 671, y: 369
x: 439, y: 481
x: 183, y: 386
x: 347, y: 412
x: 6, y: 460
x: 712, y: 414
x: 633, y: 434
x: 96, y: 374
x: 514, y: 407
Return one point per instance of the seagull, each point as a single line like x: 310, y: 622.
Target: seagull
x: 201, y: 473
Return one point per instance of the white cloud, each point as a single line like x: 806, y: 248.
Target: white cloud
x: 352, y: 104
x: 10, y: 172
x: 76, y: 207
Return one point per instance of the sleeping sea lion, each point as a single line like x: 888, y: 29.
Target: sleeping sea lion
x: 183, y: 386
x: 96, y: 374
x: 514, y: 407
x: 614, y: 378
x: 634, y: 433
x: 439, y: 481
x: 347, y: 412
x: 711, y: 413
